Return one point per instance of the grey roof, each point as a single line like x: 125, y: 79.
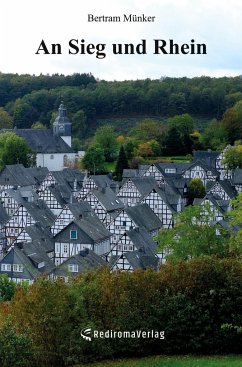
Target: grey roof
x: 143, y: 258
x: 22, y: 194
x: 41, y: 236
x: 69, y: 177
x: 208, y: 157
x: 108, y: 199
x: 237, y: 177
x: 62, y: 194
x: 204, y: 166
x: 221, y: 205
x: 16, y: 175
x: 43, y: 141
x: 179, y: 167
x: 80, y: 209
x: 225, y: 184
x: 37, y: 255
x: 40, y: 212
x: 127, y: 173
x: 89, y: 229
x: 143, y: 216
x: 86, y: 260
x: 17, y: 256
x: 104, y: 181
x: 4, y: 217
x: 141, y: 238
x: 144, y: 184
x: 39, y: 173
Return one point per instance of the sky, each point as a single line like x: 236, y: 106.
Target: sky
x: 216, y: 23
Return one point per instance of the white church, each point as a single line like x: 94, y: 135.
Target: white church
x: 53, y: 146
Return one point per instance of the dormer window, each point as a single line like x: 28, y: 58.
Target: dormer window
x: 73, y: 268
x: 18, y: 268
x: 73, y: 234
x: 5, y: 267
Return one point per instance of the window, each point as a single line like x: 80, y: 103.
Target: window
x: 209, y: 173
x: 18, y: 268
x: 73, y: 234
x: 124, y: 223
x: 5, y: 267
x: 65, y: 249
x: 52, y: 156
x: 73, y: 268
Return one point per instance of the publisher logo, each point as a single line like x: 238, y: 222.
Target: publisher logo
x: 85, y: 334
x: 88, y: 334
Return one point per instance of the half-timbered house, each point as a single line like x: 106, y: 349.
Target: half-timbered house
x: 87, y: 232
x: 15, y: 175
x: 70, y: 212
x: 200, y: 170
x: 105, y: 203
x: 84, y: 260
x: 133, y: 189
x: 236, y: 179
x: 95, y: 182
x: 221, y: 189
x: 131, y: 217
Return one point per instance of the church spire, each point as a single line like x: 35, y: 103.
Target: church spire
x: 62, y: 125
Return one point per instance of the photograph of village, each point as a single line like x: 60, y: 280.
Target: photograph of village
x: 121, y: 189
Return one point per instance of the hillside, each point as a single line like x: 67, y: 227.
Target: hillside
x: 29, y: 99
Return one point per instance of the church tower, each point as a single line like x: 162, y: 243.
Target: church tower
x: 62, y: 125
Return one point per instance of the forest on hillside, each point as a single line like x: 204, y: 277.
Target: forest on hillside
x: 196, y: 113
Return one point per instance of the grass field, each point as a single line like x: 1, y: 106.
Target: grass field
x: 184, y: 361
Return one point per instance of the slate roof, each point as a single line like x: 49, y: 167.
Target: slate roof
x: 22, y: 194
x: 17, y: 256
x: 128, y: 173
x: 204, y: 166
x: 143, y: 216
x: 104, y: 181
x: 43, y: 141
x: 86, y: 260
x: 221, y: 205
x: 225, y: 184
x: 38, y: 173
x: 89, y: 229
x: 80, y: 209
x: 237, y: 176
x: 143, y: 258
x: 141, y: 238
x: 4, y: 217
x: 108, y: 199
x: 179, y: 167
x: 144, y: 184
x: 208, y: 157
x: 37, y: 255
x: 40, y: 212
x: 69, y: 177
x: 171, y: 200
x: 41, y: 236
x: 16, y: 175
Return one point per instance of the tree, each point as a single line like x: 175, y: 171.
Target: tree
x: 196, y: 189
x: 232, y: 122
x: 105, y: 137
x: 214, y: 136
x: 38, y: 125
x: 6, y: 121
x: 193, y: 236
x: 7, y: 288
x: 79, y: 124
x: 172, y: 142
x: 94, y: 159
x: 235, y: 220
x: 183, y: 123
x: 233, y: 157
x: 121, y: 164
x: 14, y: 150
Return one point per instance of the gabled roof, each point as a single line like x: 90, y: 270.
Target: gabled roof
x: 128, y: 173
x: 17, y: 256
x: 4, y: 217
x: 22, y: 194
x: 204, y: 166
x: 86, y: 260
x: 37, y: 255
x: 69, y: 177
x: 16, y: 175
x: 143, y: 258
x: 143, y: 216
x: 144, y: 184
x: 221, y: 205
x: 40, y: 212
x: 141, y: 238
x: 170, y: 199
x: 79, y: 209
x: 38, y: 173
x: 208, y: 157
x: 108, y: 199
x: 179, y: 167
x: 41, y: 236
x: 89, y: 230
x: 104, y: 181
x: 226, y: 186
x: 43, y: 141
x: 237, y: 176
